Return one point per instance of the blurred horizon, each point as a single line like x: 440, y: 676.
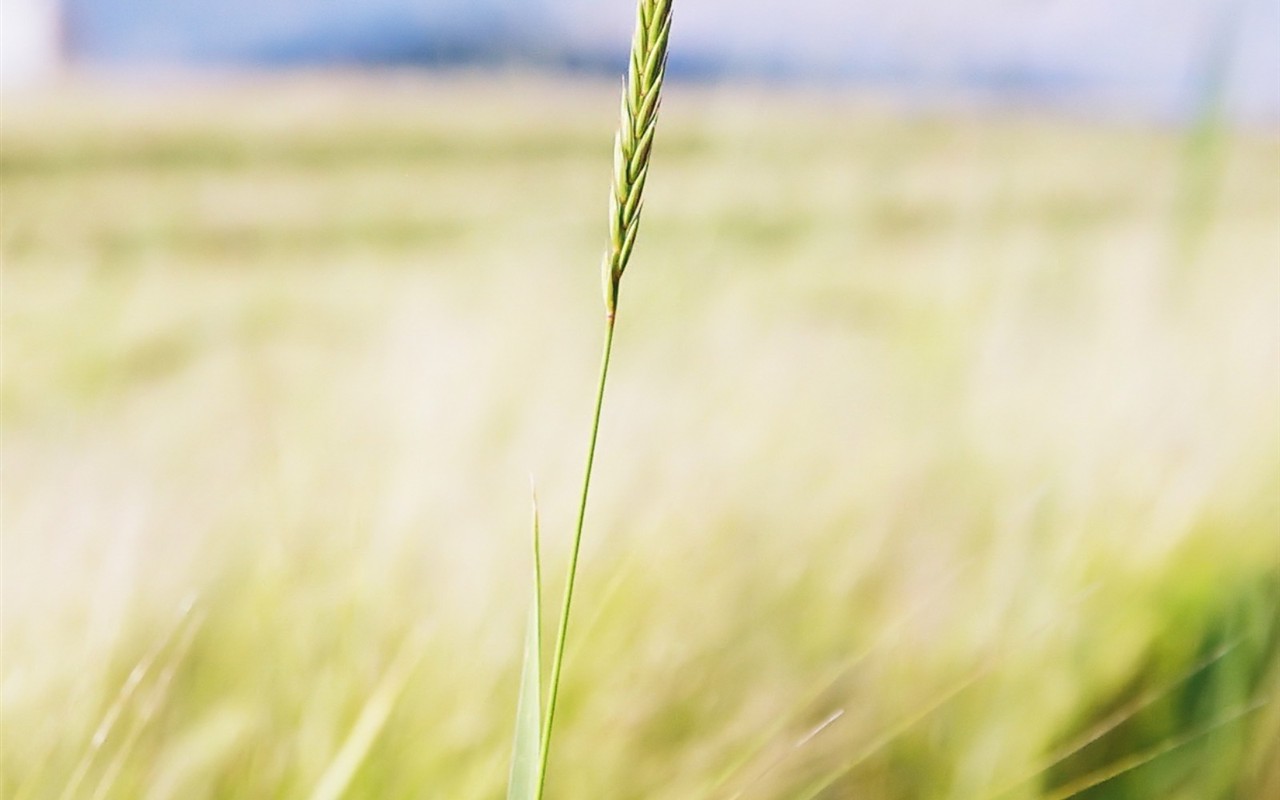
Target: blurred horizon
x: 1178, y: 60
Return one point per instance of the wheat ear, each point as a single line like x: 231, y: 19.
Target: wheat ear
x: 634, y: 139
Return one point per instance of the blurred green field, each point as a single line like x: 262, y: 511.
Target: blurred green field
x: 954, y: 438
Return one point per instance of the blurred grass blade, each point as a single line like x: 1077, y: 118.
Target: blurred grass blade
x: 1132, y: 762
x: 148, y: 707
x: 1206, y: 148
x: 883, y: 642
x: 373, y: 717
x: 809, y: 736
x: 1125, y: 713
x: 523, y: 781
x: 127, y: 690
x: 981, y: 670
x: 819, y: 787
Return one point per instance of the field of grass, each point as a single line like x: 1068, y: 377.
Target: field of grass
x: 941, y: 457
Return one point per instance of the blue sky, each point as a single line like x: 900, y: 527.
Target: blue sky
x: 1112, y: 53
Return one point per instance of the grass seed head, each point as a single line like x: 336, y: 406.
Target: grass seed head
x: 634, y: 140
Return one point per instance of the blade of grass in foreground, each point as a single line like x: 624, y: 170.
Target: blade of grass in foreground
x: 523, y: 781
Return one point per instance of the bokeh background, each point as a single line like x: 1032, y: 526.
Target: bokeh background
x: 941, y: 458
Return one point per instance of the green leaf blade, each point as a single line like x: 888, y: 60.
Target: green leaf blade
x: 522, y: 784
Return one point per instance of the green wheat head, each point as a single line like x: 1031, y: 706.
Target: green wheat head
x: 634, y: 140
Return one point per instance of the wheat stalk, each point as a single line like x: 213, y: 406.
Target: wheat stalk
x: 632, y: 146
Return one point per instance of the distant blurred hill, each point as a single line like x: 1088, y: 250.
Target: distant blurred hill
x: 1151, y: 57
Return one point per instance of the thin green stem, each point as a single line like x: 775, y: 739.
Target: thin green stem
x: 557, y: 663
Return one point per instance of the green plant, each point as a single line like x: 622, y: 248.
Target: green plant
x: 633, y: 144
